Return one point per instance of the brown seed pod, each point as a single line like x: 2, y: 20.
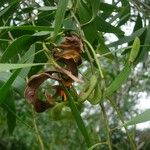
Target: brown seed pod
x: 68, y: 53
x: 31, y: 91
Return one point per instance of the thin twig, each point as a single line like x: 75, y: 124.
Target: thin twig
x: 107, y: 126
x: 37, y: 131
x: 19, y: 119
x: 96, y: 59
x: 122, y: 120
x: 5, y: 40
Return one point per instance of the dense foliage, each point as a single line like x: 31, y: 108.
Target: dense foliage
x: 82, y: 50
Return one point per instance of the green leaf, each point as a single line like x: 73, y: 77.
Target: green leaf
x: 47, y: 8
x: 11, y: 118
x: 127, y: 39
x: 118, y: 81
x: 95, y: 7
x: 18, y: 84
x: 124, y: 15
x: 4, y: 92
x: 59, y: 17
x: 4, y: 10
x: 42, y: 33
x: 7, y: 12
x: 78, y: 118
x: 104, y: 26
x: 6, y: 87
x: 28, y: 58
x: 143, y: 117
x: 90, y: 36
x: 83, y: 12
x: 9, y: 106
x: 108, y: 7
x: 27, y: 27
x: 69, y: 24
x: 102, y: 48
x: 5, y: 67
x: 23, y: 43
x: 143, y: 52
x: 84, y: 16
x: 20, y: 44
x: 138, y: 23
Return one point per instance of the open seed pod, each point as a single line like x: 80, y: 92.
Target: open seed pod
x: 68, y: 53
x: 31, y: 91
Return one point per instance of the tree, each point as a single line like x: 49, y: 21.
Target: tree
x: 61, y: 51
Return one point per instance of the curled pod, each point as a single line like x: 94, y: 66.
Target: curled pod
x: 32, y: 87
x: 84, y: 95
x: 96, y: 96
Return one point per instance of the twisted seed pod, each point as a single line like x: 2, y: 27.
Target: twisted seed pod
x: 31, y: 91
x: 70, y: 55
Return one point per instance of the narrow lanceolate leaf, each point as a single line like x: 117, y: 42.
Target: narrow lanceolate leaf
x: 124, y: 14
x: 5, y: 67
x: 118, y: 81
x: 83, y: 12
x: 9, y: 106
x: 7, y: 11
x: 59, y: 17
x: 144, y: 51
x: 18, y: 84
x: 20, y: 44
x: 28, y: 59
x: 135, y: 50
x: 6, y: 87
x: 127, y: 39
x: 27, y: 27
x: 42, y: 33
x: 78, y: 119
x: 8, y: 101
x: 143, y: 117
x: 47, y: 8
x: 109, y: 8
x: 95, y: 8
x: 104, y: 26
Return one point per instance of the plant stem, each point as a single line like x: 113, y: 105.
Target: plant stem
x: 97, y: 144
x: 83, y: 37
x: 132, y: 143
x: 37, y: 131
x: 107, y: 126
x: 96, y: 59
